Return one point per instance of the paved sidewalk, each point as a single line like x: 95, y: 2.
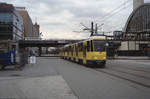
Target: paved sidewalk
x: 34, y: 81
x: 51, y: 87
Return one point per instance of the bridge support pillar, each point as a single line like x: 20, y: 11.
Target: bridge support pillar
x: 40, y: 51
x: 46, y: 50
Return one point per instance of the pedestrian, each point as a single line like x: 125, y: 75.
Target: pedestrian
x: 32, y: 57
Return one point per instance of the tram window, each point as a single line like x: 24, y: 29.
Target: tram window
x: 91, y: 46
x: 69, y: 48
x: 88, y: 46
x: 80, y: 46
x: 68, y: 51
x: 72, y: 50
x: 76, y: 48
x: 99, y: 45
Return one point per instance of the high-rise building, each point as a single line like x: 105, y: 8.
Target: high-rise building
x: 28, y: 25
x: 30, y: 30
x: 11, y: 23
x: 37, y: 28
x: 137, y: 3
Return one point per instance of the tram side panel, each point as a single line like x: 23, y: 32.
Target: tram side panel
x: 86, y: 53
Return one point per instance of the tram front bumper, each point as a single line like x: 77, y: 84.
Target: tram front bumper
x: 96, y: 61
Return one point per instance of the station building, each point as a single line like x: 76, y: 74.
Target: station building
x: 136, y: 34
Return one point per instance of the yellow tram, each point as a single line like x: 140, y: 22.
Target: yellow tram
x: 91, y: 52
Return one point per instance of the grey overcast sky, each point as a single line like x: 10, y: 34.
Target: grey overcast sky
x: 60, y: 18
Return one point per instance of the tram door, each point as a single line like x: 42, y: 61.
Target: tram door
x: 84, y: 54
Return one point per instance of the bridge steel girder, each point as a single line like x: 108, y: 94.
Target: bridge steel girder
x: 41, y: 44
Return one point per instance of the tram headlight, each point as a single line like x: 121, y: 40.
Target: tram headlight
x: 104, y: 58
x: 95, y: 58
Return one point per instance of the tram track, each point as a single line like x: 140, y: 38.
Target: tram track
x: 136, y: 79
x: 136, y: 69
x: 131, y: 67
x: 130, y: 73
x: 133, y: 72
x: 140, y: 69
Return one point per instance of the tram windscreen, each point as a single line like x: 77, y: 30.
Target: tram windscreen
x: 99, y: 45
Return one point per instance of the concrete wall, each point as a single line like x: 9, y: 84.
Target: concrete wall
x: 132, y: 45
x: 124, y: 46
x: 129, y: 45
x: 137, y: 45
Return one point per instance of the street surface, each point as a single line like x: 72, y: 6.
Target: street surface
x: 55, y: 78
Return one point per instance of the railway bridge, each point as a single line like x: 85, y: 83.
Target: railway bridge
x: 44, y: 43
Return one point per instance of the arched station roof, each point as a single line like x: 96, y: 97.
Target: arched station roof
x: 139, y: 20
